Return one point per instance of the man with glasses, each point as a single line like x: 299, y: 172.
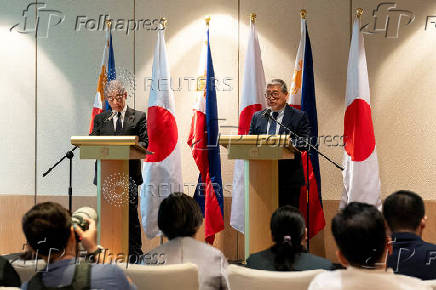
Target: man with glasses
x: 291, y: 176
x: 123, y: 120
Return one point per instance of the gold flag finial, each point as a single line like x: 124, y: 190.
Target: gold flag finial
x: 303, y: 13
x: 359, y: 12
x: 164, y: 22
x: 253, y: 18
x: 109, y: 23
x: 207, y: 19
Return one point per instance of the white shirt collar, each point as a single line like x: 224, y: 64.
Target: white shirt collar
x: 281, y: 111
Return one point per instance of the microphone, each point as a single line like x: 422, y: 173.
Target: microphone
x: 267, y: 114
x: 114, y: 113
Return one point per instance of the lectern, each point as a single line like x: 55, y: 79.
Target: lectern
x: 112, y: 154
x: 261, y: 154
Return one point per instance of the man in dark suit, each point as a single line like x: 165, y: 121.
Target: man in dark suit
x: 123, y: 120
x: 291, y: 176
x: 404, y: 212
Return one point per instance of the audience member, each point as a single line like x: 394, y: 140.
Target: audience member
x: 179, y: 218
x: 360, y: 235
x: 405, y: 215
x: 8, y: 275
x: 50, y: 233
x: 289, y: 232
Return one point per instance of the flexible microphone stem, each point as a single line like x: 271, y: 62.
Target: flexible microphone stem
x: 267, y: 114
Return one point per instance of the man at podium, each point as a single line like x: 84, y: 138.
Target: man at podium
x: 123, y: 120
x: 291, y: 176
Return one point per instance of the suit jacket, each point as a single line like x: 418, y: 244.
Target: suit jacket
x: 212, y: 264
x: 290, y: 170
x: 303, y: 261
x: 135, y: 124
x: 417, y: 258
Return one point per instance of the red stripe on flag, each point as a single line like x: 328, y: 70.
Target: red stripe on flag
x: 316, y: 213
x: 162, y: 133
x: 198, y: 142
x: 95, y: 112
x: 212, y: 209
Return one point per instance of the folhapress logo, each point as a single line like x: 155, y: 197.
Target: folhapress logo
x: 38, y: 23
x: 387, y: 20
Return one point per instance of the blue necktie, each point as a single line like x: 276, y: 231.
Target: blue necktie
x: 272, y: 124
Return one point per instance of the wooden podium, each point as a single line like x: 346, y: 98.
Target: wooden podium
x: 261, y: 154
x: 112, y: 154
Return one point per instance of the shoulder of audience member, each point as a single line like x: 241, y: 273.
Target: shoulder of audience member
x: 111, y: 272
x: 323, y: 263
x: 325, y: 279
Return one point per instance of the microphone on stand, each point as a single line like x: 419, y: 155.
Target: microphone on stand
x: 114, y: 113
x: 267, y: 114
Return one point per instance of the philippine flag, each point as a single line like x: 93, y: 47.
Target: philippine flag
x: 303, y: 97
x: 107, y: 73
x: 203, y: 139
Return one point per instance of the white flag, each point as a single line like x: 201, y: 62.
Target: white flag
x: 252, y: 100
x: 361, y: 174
x: 162, y: 171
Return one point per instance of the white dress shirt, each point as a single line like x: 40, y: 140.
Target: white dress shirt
x: 115, y: 118
x: 279, y: 119
x: 363, y: 279
x: 212, y: 265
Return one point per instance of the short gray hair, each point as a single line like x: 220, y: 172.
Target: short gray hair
x: 278, y: 82
x: 114, y: 86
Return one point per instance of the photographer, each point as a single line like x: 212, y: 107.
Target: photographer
x: 52, y: 236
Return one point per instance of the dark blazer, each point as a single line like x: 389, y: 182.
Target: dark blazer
x: 290, y: 170
x: 135, y: 124
x: 417, y: 258
x: 303, y: 261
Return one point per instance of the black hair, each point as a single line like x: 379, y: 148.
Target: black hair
x: 287, y: 229
x: 360, y: 233
x: 179, y: 216
x: 403, y: 210
x: 47, y: 227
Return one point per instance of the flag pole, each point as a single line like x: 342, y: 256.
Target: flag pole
x: 252, y: 18
x: 164, y: 22
x: 109, y: 23
x: 303, y: 13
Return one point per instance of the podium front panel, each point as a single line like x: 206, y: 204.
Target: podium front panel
x: 113, y: 205
x: 261, y: 200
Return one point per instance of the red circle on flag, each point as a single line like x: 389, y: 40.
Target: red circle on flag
x: 245, y: 118
x: 162, y: 133
x: 359, y: 136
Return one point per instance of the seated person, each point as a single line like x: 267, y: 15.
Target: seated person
x: 288, y: 232
x: 50, y: 233
x: 8, y: 275
x: 179, y: 218
x: 405, y: 215
x: 360, y: 235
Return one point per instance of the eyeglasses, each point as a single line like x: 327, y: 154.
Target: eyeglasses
x: 118, y: 97
x: 274, y: 95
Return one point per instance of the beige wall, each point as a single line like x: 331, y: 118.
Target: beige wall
x: 48, y: 84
